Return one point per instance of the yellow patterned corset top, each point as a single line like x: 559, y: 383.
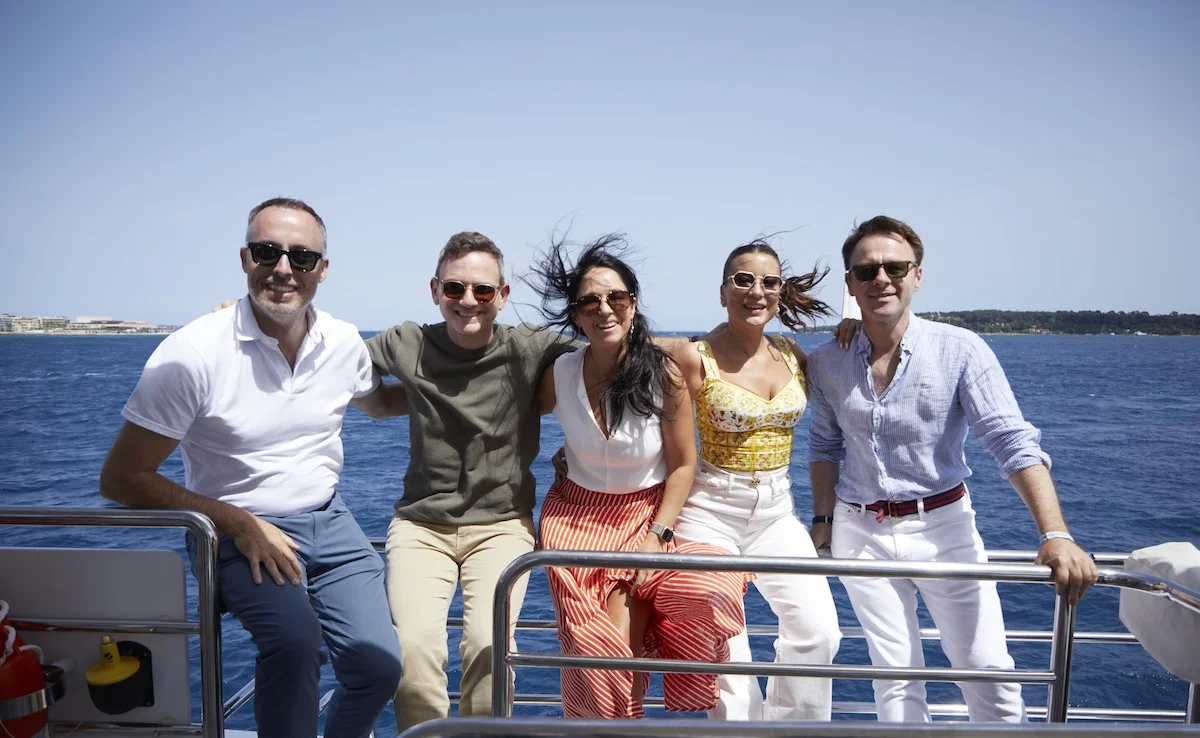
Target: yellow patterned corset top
x: 741, y: 431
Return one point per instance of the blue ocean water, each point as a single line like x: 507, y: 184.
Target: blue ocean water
x: 1120, y: 416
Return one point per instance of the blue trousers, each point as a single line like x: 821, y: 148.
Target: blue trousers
x: 341, y: 603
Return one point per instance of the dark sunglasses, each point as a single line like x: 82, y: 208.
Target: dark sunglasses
x: 893, y: 269
x: 746, y: 280
x: 456, y: 290
x: 618, y: 301
x: 268, y: 254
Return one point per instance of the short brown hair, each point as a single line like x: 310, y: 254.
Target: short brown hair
x: 289, y: 203
x: 461, y: 244
x: 882, y: 225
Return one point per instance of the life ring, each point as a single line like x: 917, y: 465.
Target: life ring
x: 20, y: 676
x: 4, y: 624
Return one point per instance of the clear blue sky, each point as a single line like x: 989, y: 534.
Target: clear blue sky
x: 1047, y: 152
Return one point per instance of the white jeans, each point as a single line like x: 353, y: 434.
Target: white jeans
x: 967, y: 613
x: 729, y: 510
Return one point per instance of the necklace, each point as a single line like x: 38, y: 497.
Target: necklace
x: 596, y: 392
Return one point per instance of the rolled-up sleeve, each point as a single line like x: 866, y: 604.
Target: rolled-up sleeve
x: 991, y: 410
x: 825, y: 440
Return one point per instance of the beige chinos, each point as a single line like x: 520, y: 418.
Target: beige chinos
x: 424, y: 565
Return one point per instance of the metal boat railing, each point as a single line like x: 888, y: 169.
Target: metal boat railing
x: 207, y: 624
x: 936, y: 709
x: 1062, y: 638
x: 1008, y: 566
x: 693, y: 728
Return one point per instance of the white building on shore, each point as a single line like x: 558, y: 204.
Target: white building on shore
x: 59, y: 325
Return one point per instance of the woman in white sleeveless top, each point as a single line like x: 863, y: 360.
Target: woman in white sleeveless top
x: 627, y: 421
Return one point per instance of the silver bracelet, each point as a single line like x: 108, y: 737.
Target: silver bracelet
x: 1052, y: 534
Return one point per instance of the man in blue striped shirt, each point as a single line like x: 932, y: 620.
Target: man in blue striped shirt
x: 895, y: 408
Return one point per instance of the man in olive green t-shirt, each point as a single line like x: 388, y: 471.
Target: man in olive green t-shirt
x: 467, y: 508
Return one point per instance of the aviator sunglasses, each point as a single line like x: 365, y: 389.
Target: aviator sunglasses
x: 746, y: 280
x: 893, y: 269
x: 618, y: 301
x: 268, y: 254
x: 456, y: 290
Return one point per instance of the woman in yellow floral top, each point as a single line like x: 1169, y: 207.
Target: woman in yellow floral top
x: 749, y: 392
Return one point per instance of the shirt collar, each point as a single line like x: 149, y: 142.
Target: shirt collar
x: 862, y: 344
x: 246, y: 327
x: 911, y: 334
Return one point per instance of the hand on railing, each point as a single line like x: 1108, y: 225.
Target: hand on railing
x: 1074, y: 571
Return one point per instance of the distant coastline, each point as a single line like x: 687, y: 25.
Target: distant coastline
x: 991, y: 322
x: 1071, y: 322
x: 1061, y: 322
x: 68, y: 334
x: 87, y: 325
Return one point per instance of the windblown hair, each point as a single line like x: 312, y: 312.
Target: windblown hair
x: 883, y: 225
x: 638, y: 384
x: 289, y: 203
x: 461, y: 244
x: 796, y: 305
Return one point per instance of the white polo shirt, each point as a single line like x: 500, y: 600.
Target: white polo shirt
x: 253, y: 432
x: 629, y: 459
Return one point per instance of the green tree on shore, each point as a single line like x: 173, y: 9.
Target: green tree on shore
x: 1084, y: 322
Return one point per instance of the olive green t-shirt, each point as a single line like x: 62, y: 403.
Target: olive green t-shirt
x: 474, y: 424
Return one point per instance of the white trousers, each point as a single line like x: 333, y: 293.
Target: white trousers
x: 751, y: 518
x: 967, y: 613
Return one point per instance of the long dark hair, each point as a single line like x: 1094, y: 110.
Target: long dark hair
x: 796, y: 305
x: 637, y: 385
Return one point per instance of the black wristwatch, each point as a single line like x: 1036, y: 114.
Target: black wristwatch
x: 822, y: 519
x: 662, y: 531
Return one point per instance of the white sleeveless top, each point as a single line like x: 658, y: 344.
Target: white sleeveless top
x: 629, y: 460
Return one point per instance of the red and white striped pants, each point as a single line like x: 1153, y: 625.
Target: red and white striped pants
x: 693, y: 613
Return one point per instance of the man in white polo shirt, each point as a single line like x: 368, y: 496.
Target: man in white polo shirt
x: 255, y: 396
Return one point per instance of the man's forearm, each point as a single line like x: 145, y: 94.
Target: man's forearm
x: 1036, y: 488
x: 1072, y: 569
x: 149, y: 489
x: 824, y: 476
x: 389, y: 400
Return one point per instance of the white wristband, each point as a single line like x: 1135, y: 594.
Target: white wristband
x: 1052, y: 534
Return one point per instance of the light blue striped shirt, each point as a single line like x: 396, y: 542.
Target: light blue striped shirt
x: 908, y: 442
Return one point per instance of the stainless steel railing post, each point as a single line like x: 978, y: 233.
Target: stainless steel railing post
x: 1193, y: 706
x: 1061, y: 645
x: 209, y: 619
x: 212, y: 713
x: 501, y: 617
